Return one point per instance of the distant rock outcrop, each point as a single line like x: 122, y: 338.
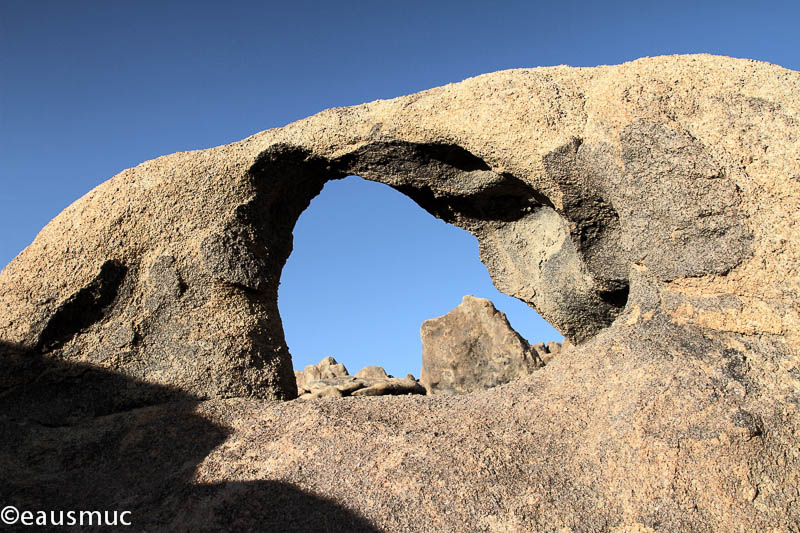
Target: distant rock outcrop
x: 473, y: 347
x: 329, y: 379
x: 547, y: 350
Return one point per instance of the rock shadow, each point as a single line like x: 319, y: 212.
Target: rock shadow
x: 63, y: 449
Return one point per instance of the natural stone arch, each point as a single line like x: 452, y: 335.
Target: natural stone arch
x: 570, y: 264
x: 524, y: 241
x: 178, y: 284
x: 680, y: 415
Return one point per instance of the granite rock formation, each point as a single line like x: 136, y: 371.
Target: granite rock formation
x: 473, y: 347
x: 329, y: 379
x: 647, y: 210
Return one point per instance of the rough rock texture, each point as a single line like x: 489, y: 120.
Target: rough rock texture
x: 647, y: 210
x: 471, y: 348
x: 329, y: 379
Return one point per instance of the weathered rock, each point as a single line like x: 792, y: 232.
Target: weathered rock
x: 340, y: 382
x: 344, y: 384
x: 374, y: 372
x: 392, y: 386
x: 326, y: 369
x: 326, y: 392
x: 647, y: 210
x: 546, y: 351
x: 300, y: 381
x: 363, y: 387
x: 560, y: 217
x: 329, y: 379
x: 473, y: 347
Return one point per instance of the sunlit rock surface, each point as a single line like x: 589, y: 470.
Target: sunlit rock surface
x: 647, y: 210
x: 473, y: 347
x: 329, y: 379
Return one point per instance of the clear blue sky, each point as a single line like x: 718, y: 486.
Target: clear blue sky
x: 90, y: 88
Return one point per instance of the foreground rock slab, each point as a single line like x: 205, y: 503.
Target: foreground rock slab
x: 473, y: 347
x: 647, y: 210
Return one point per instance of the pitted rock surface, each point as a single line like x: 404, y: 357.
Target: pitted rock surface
x: 473, y: 347
x: 647, y: 210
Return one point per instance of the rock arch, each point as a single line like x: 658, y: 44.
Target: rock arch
x: 200, y: 238
x: 668, y: 188
x: 533, y: 251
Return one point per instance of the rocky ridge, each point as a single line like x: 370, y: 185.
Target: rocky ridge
x: 329, y: 379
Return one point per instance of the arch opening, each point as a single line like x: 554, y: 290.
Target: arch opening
x: 558, y: 259
x: 368, y: 267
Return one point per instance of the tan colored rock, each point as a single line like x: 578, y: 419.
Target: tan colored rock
x: 373, y: 372
x: 345, y: 384
x: 392, y: 386
x: 553, y: 347
x: 300, y: 381
x: 647, y: 210
x: 559, y: 186
x: 546, y: 351
x: 329, y: 379
x: 326, y: 369
x: 471, y: 348
x: 326, y: 392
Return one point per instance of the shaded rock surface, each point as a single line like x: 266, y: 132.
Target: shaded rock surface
x: 329, y: 379
x: 473, y: 347
x: 647, y: 210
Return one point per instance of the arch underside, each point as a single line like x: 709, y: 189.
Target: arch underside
x: 569, y: 257
x: 527, y: 244
x: 207, y: 316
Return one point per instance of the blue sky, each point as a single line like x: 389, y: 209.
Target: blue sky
x: 90, y: 88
